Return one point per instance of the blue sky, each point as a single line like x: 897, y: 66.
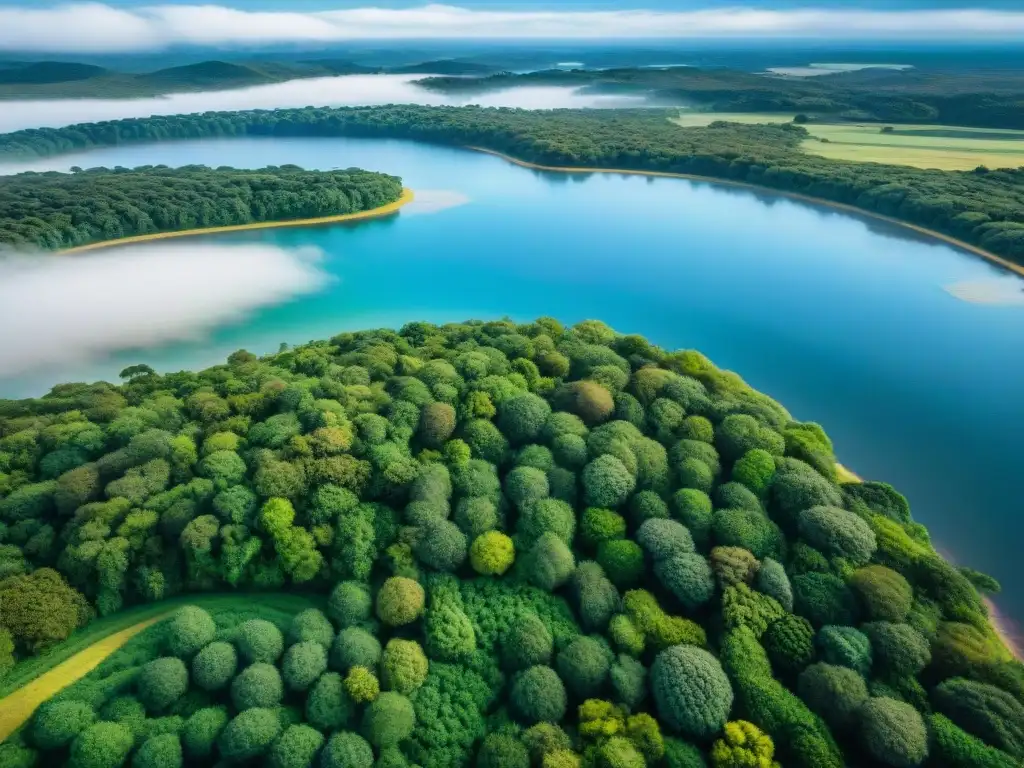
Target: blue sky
x: 563, y: 5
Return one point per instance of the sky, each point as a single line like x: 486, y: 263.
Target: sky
x: 131, y: 25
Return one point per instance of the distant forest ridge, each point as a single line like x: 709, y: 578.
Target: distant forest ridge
x: 984, y: 208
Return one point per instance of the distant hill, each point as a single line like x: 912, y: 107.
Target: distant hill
x: 218, y: 73
x: 443, y: 67
x: 42, y: 72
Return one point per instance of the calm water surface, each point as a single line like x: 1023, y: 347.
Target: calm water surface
x: 844, y: 320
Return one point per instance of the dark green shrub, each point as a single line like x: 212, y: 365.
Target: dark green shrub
x: 521, y: 418
x: 755, y: 470
x: 824, y: 599
x: 952, y: 747
x: 845, y: 647
x: 297, y: 747
x: 584, y: 665
x: 437, y: 423
x: 550, y: 562
x: 596, y: 597
x: 543, y: 739
x: 201, y: 732
x: 739, y: 433
x: 570, y: 451
x: 547, y: 516
x: 607, y: 483
x: 403, y: 666
x: 681, y: 754
x: 599, y: 525
x: 214, y: 666
x: 647, y: 505
x: 750, y: 530
x: 538, y: 695
x: 693, y: 509
x: 161, y: 682
x: 987, y: 712
x: 485, y: 441
x: 502, y: 751
x: 355, y: 647
x: 56, y: 723
x: 789, y: 641
x: 257, y: 686
x: 692, y: 693
x: 629, y: 681
x: 259, y: 641
x: 311, y: 626
x: 662, y: 538
x: 525, y: 485
x: 101, y: 745
x: 328, y: 706
x: 835, y: 693
x: 528, y: 643
x: 303, y: 664
x: 475, y: 516
x: 736, y: 496
x: 697, y: 428
x: 898, y: 650
x: 536, y: 456
x: 687, y: 576
x: 733, y: 565
x: 400, y: 601
x: 837, y: 532
x: 622, y: 561
x: 742, y: 606
x: 162, y: 751
x: 885, y: 594
x: 189, y: 630
x: 350, y: 604
x: 893, y: 733
x: 249, y: 735
x: 772, y: 580
x: 797, y: 487
x: 388, y: 720
x: 346, y: 750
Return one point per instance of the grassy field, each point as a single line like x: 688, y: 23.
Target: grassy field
x: 946, y: 147
x: 100, y: 657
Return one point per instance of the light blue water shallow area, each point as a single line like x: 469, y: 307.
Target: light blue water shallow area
x: 845, y: 320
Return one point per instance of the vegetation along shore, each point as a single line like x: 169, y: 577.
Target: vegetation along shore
x: 537, y: 545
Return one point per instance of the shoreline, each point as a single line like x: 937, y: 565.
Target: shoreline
x: 406, y: 197
x: 931, y: 233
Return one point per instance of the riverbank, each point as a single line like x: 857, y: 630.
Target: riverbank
x: 374, y: 213
x: 973, y: 249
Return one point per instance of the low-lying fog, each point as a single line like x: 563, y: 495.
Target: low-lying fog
x: 353, y: 90
x: 67, y: 312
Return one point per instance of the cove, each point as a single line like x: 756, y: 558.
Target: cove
x: 845, y: 320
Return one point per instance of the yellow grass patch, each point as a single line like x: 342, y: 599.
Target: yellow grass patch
x: 846, y: 476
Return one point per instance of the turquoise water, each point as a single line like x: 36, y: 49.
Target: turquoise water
x: 844, y: 320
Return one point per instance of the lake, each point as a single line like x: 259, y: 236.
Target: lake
x: 847, y: 321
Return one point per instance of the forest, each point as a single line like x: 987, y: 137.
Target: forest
x: 983, y: 207
x: 987, y: 99
x: 536, y: 546
x: 62, y: 210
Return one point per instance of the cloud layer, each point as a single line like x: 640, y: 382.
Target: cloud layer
x: 95, y: 27
x: 76, y: 309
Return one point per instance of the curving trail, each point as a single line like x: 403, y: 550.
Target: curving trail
x: 374, y: 213
x: 19, y: 706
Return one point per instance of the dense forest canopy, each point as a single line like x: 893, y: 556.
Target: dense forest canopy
x: 564, y: 548
x: 61, y: 210
x: 988, y: 99
x: 983, y: 207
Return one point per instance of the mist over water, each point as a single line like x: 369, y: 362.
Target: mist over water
x: 351, y: 90
x: 78, y: 309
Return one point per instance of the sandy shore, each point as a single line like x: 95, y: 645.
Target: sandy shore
x: 1006, y: 264
x: 374, y: 213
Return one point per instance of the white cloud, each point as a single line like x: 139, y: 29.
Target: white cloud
x: 91, y: 27
x: 75, y: 309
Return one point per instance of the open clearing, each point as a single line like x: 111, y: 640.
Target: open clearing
x: 949, y: 148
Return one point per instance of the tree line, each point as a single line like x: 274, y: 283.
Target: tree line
x: 983, y: 207
x: 540, y: 546
x: 62, y: 210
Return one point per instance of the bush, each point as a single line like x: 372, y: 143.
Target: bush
x: 437, y: 423
x: 647, y: 505
x: 824, y: 599
x: 161, y: 682
x: 789, y: 641
x: 350, y: 604
x: 259, y: 640
x: 521, y: 418
x: 543, y: 739
x: 733, y: 565
x: 743, y: 745
x: 550, y: 562
x: 798, y: 487
x: 528, y: 643
x: 56, y: 723
x: 101, y: 745
x: 346, y: 750
x: 400, y: 601
x: 662, y: 539
x: 311, y: 626
x: 214, y: 666
x: 697, y: 428
x: 899, y: 650
x: 257, y: 686
x: 525, y: 485
x: 893, y: 733
x: 835, y: 693
x: 596, y: 598
x: 599, y: 525
x: 772, y: 580
x: 694, y: 473
x: 584, y: 665
x: 625, y: 635
x: 388, y: 720
x: 328, y: 706
x: 249, y: 735
x: 475, y: 516
x: 297, y: 747
x: 735, y: 496
x: 587, y: 399
x: 361, y: 685
x: 622, y: 561
x: 163, y: 751
x: 885, y: 594
x: 485, y: 441
x: 845, y: 647
x: 755, y: 470
x: 502, y: 751
x: 403, y: 666
x: 619, y: 752
x: 39, y: 609
x: 687, y: 576
x: 538, y: 695
x: 680, y: 754
x: 837, y: 532
x: 985, y: 711
x: 354, y: 647
x: 492, y: 553
x: 749, y: 530
x: 739, y: 434
x: 570, y: 451
x: 547, y: 516
x: 189, y: 630
x: 201, y: 732
x: 303, y: 664
x: 629, y: 681
x: 692, y: 508
x: 952, y: 747
x: 607, y: 483
x: 691, y: 692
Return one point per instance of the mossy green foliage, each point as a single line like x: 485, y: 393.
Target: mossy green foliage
x: 530, y: 545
